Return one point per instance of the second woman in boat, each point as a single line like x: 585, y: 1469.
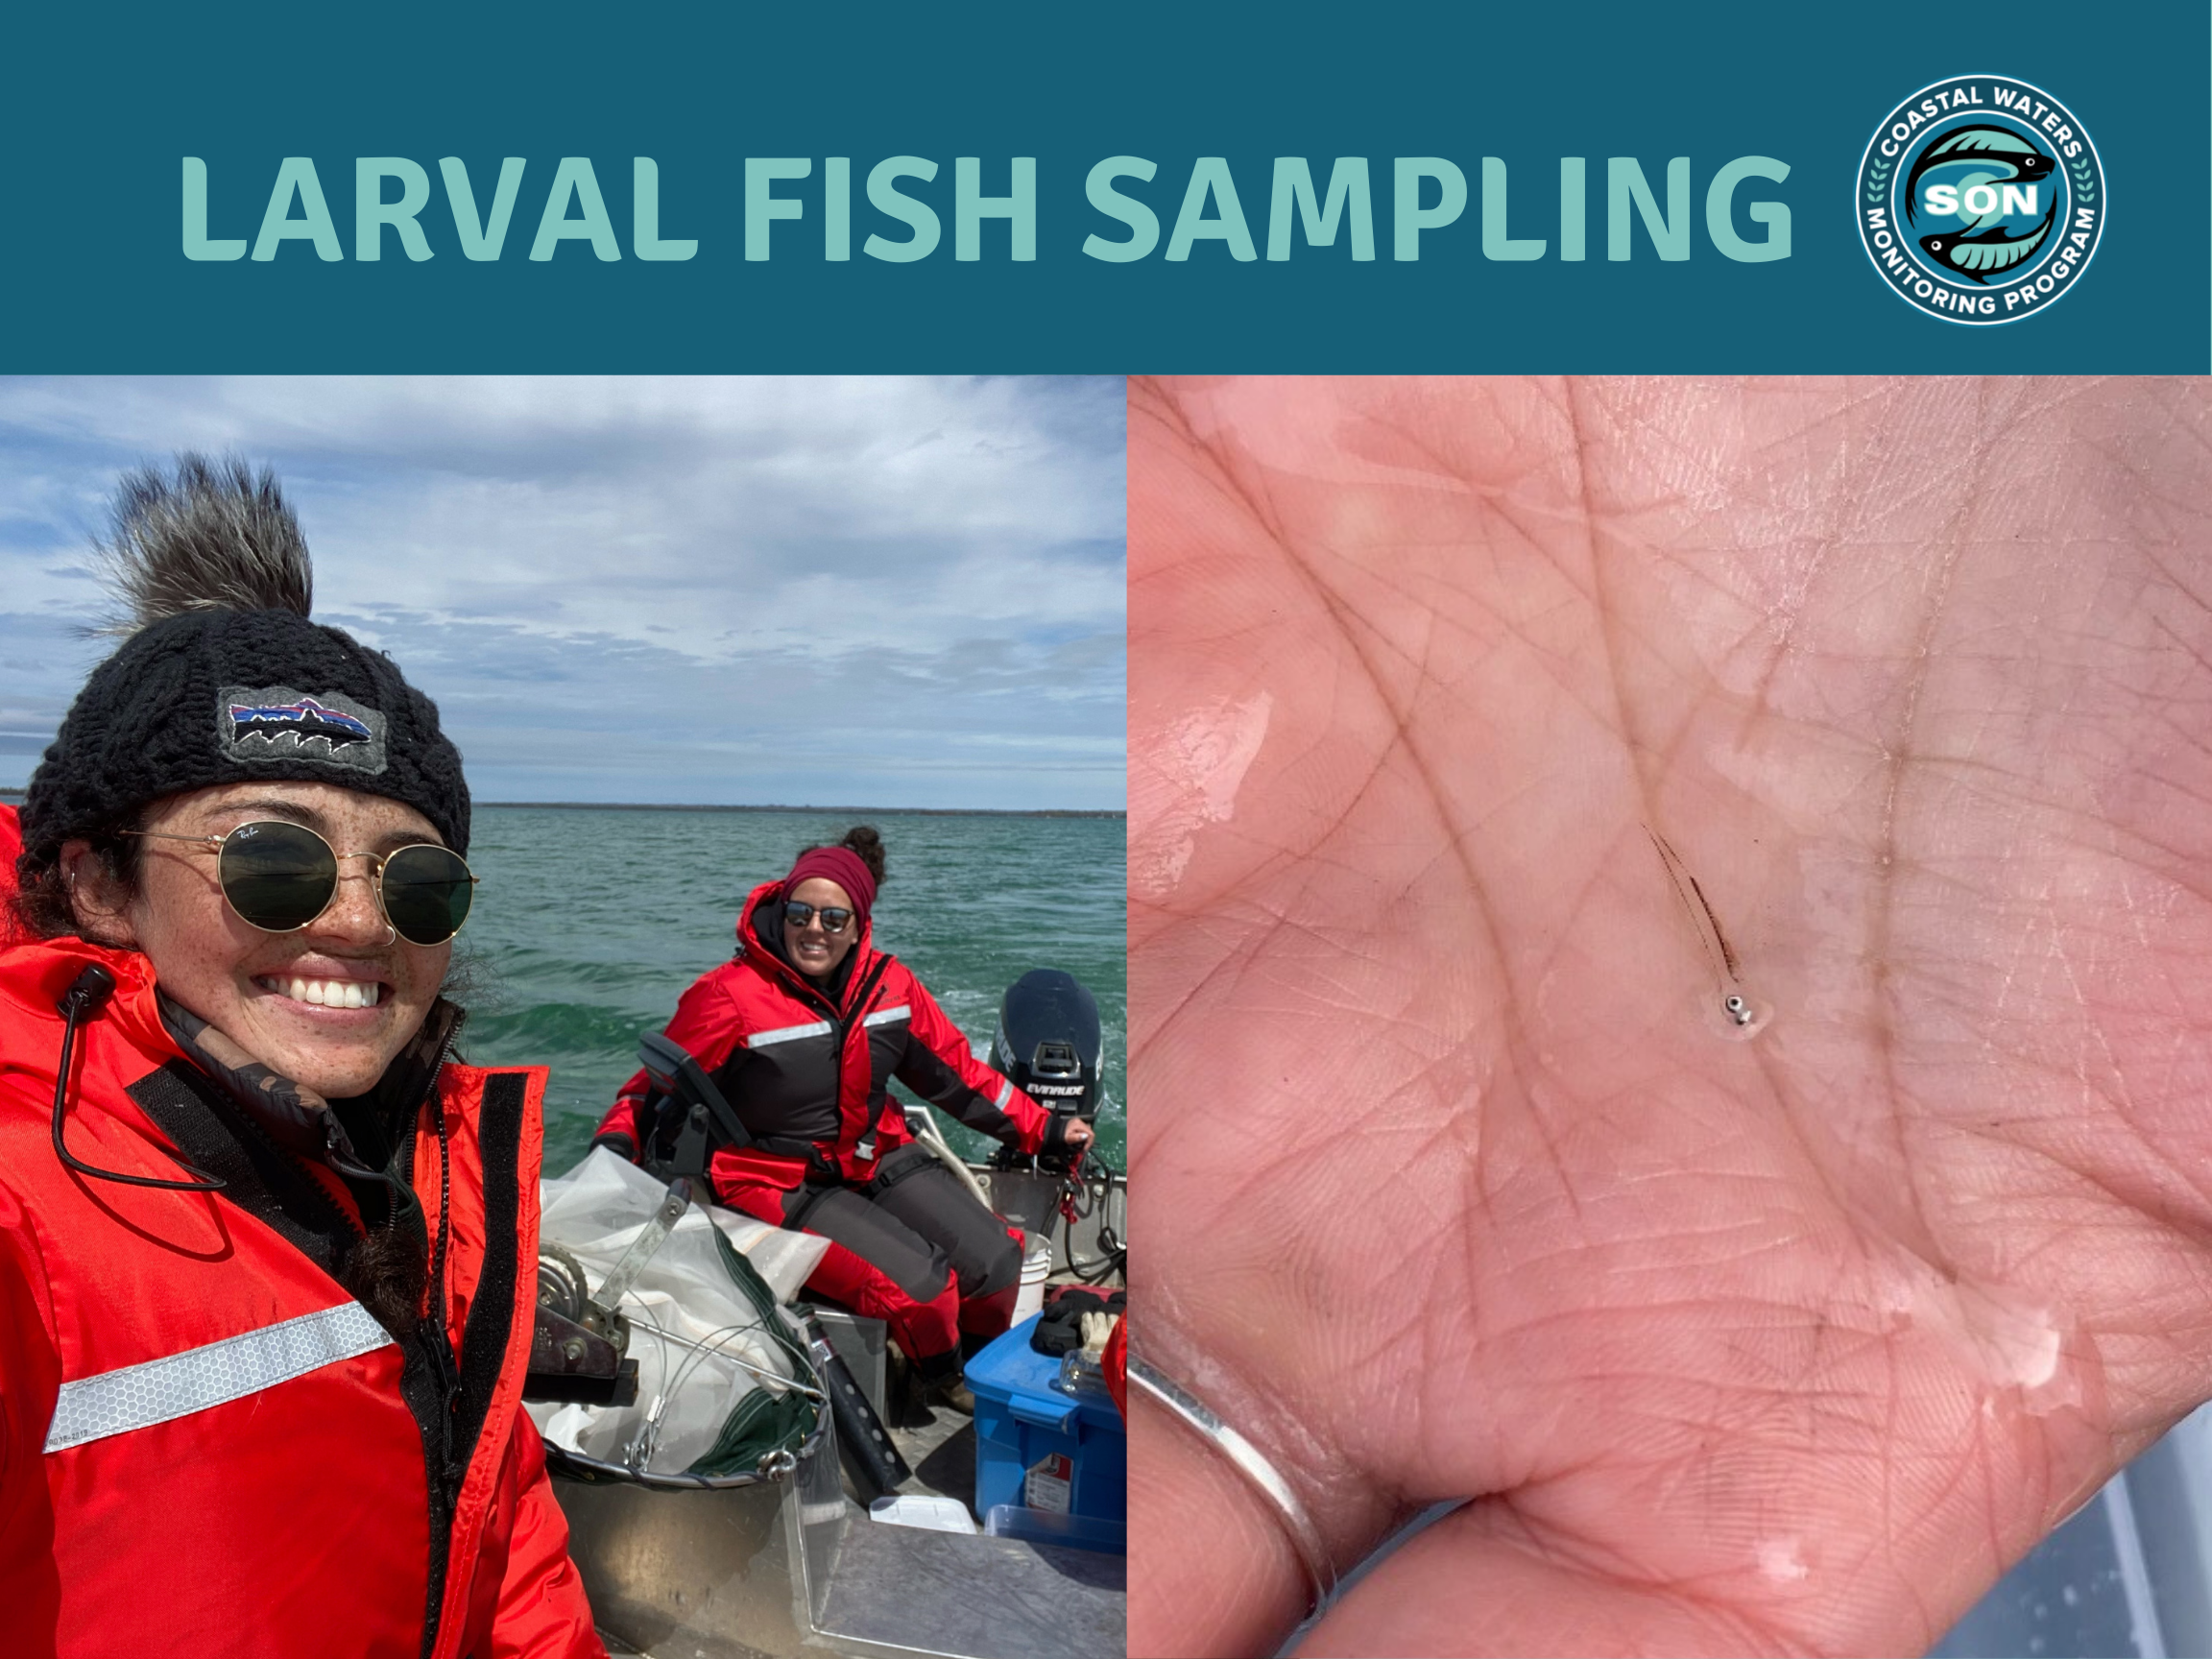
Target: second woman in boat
x: 803, y: 1031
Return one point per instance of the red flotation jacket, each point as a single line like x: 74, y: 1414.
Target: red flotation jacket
x: 11, y: 848
x: 208, y: 1445
x: 809, y: 1069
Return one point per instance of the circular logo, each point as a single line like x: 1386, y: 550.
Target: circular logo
x: 1980, y: 199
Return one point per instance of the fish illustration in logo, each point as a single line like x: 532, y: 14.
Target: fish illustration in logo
x: 274, y: 724
x: 1979, y: 200
x: 1991, y: 253
x: 302, y: 721
x: 1985, y: 154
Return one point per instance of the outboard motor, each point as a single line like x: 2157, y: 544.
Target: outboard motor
x: 1048, y: 1044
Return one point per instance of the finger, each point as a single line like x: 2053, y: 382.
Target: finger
x: 1479, y: 1582
x: 1215, y: 1573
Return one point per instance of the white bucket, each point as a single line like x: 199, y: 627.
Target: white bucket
x: 1035, y: 1268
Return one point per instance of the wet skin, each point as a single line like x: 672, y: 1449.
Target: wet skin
x: 1459, y: 1185
x: 241, y: 979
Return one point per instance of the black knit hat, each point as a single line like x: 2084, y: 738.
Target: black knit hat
x: 235, y: 683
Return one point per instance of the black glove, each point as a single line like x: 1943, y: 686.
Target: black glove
x: 1056, y: 1132
x: 1060, y: 1327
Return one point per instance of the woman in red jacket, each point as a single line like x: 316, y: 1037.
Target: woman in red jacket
x: 803, y: 1031
x: 267, y: 1255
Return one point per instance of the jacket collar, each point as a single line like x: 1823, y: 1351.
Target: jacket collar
x: 293, y: 1115
x: 37, y: 973
x: 764, y: 954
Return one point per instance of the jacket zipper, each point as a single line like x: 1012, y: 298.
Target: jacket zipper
x: 864, y: 1144
x: 446, y: 1368
x: 798, y: 984
x: 441, y: 1345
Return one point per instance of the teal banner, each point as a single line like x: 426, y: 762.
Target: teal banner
x: 996, y: 187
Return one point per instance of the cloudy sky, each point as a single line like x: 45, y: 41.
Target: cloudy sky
x: 900, y: 592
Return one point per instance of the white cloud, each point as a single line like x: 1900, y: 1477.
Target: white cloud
x: 929, y: 566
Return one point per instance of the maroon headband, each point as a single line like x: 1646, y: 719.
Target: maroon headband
x: 841, y: 865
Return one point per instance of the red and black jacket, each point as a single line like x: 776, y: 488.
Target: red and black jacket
x: 209, y: 1446
x: 809, y: 1069
x: 11, y: 848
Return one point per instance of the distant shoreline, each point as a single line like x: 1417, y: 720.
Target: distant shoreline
x: 16, y: 796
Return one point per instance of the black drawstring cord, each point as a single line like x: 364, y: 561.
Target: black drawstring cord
x: 88, y: 993
x: 338, y: 1154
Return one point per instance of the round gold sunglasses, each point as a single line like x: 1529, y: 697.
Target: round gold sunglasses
x: 278, y: 877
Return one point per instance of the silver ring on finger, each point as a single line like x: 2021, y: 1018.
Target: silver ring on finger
x: 1262, y: 1475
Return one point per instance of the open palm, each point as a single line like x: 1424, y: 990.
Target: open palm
x: 1459, y: 1179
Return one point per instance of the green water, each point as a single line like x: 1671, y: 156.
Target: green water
x: 590, y: 923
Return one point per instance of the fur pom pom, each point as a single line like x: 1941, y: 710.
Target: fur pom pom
x: 211, y: 537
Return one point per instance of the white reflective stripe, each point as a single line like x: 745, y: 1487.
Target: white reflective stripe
x: 785, y: 1033
x: 179, y: 1385
x: 1005, y: 1093
x: 884, y: 1016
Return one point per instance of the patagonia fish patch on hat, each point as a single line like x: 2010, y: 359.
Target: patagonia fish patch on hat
x: 277, y: 723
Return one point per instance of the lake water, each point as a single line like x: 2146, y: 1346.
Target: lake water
x: 592, y: 922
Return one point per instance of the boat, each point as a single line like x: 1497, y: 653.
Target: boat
x: 783, y: 1555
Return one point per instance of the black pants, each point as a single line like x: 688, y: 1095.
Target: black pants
x: 914, y: 1249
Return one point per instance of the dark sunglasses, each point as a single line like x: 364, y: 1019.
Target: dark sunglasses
x: 279, y: 876
x: 833, y: 918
